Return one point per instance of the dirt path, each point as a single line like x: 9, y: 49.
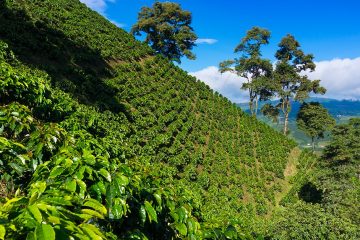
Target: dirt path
x: 290, y: 170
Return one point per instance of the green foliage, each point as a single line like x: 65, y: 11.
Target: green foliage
x: 335, y: 181
x: 63, y: 184
x: 339, y: 178
x: 252, y: 67
x: 288, y: 81
x: 310, y: 221
x: 109, y: 141
x: 314, y: 120
x: 168, y: 30
x: 13, y: 86
x: 271, y: 112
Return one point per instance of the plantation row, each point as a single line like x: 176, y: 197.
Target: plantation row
x: 58, y: 183
x: 217, y: 141
x: 137, y: 116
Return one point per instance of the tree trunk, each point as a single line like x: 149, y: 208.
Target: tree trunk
x: 256, y: 106
x: 286, y: 122
x: 251, y: 102
x: 251, y: 106
x: 313, y: 144
x: 286, y: 112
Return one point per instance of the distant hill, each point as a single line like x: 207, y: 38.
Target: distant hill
x: 336, y: 108
x: 341, y: 110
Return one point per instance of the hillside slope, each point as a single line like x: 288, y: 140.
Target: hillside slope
x: 147, y: 113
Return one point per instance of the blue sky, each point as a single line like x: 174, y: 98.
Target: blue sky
x: 328, y: 29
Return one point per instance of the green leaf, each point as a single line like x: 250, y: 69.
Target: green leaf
x: 92, y: 213
x: 35, y: 212
x: 122, y: 180
x: 92, y: 231
x: 58, y: 201
x: 175, y: 216
x: 96, y: 190
x: 82, y: 187
x: 71, y: 185
x: 142, y: 214
x: 151, y: 211
x: 22, y: 158
x: 92, y: 203
x: 105, y: 174
x: 2, y: 232
x: 93, y: 228
x: 56, y: 171
x: 182, y: 213
x: 181, y: 227
x: 44, y: 232
x: 88, y: 157
x: 231, y: 233
x: 31, y: 236
x: 102, y: 187
x: 116, y: 211
x: 80, y: 173
x: 109, y: 196
x: 54, y: 220
x: 17, y: 168
x: 191, y: 225
x: 39, y: 186
x: 39, y: 148
x: 158, y: 198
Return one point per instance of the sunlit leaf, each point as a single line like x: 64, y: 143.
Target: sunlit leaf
x: 44, y: 232
x: 2, y: 232
x: 35, y: 213
x: 150, y: 211
x: 105, y: 174
x: 181, y: 227
x: 56, y: 171
x: 92, y: 203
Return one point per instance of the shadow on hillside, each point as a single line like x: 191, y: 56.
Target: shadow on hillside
x: 310, y: 194
x: 73, y: 67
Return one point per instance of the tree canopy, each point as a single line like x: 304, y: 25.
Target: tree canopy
x: 168, y: 30
x: 289, y: 79
x: 251, y: 66
x: 314, y: 120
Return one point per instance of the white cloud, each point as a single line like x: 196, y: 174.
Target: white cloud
x: 341, y: 78
x: 100, y: 6
x: 97, y: 5
x: 206, y: 40
x: 228, y: 84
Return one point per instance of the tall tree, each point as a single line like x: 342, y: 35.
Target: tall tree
x: 167, y: 29
x: 289, y: 78
x: 314, y: 120
x: 251, y: 66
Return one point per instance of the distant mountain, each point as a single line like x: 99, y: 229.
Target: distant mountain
x: 337, y: 108
x: 341, y: 110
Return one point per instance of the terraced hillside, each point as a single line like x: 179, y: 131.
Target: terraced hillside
x: 141, y: 110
